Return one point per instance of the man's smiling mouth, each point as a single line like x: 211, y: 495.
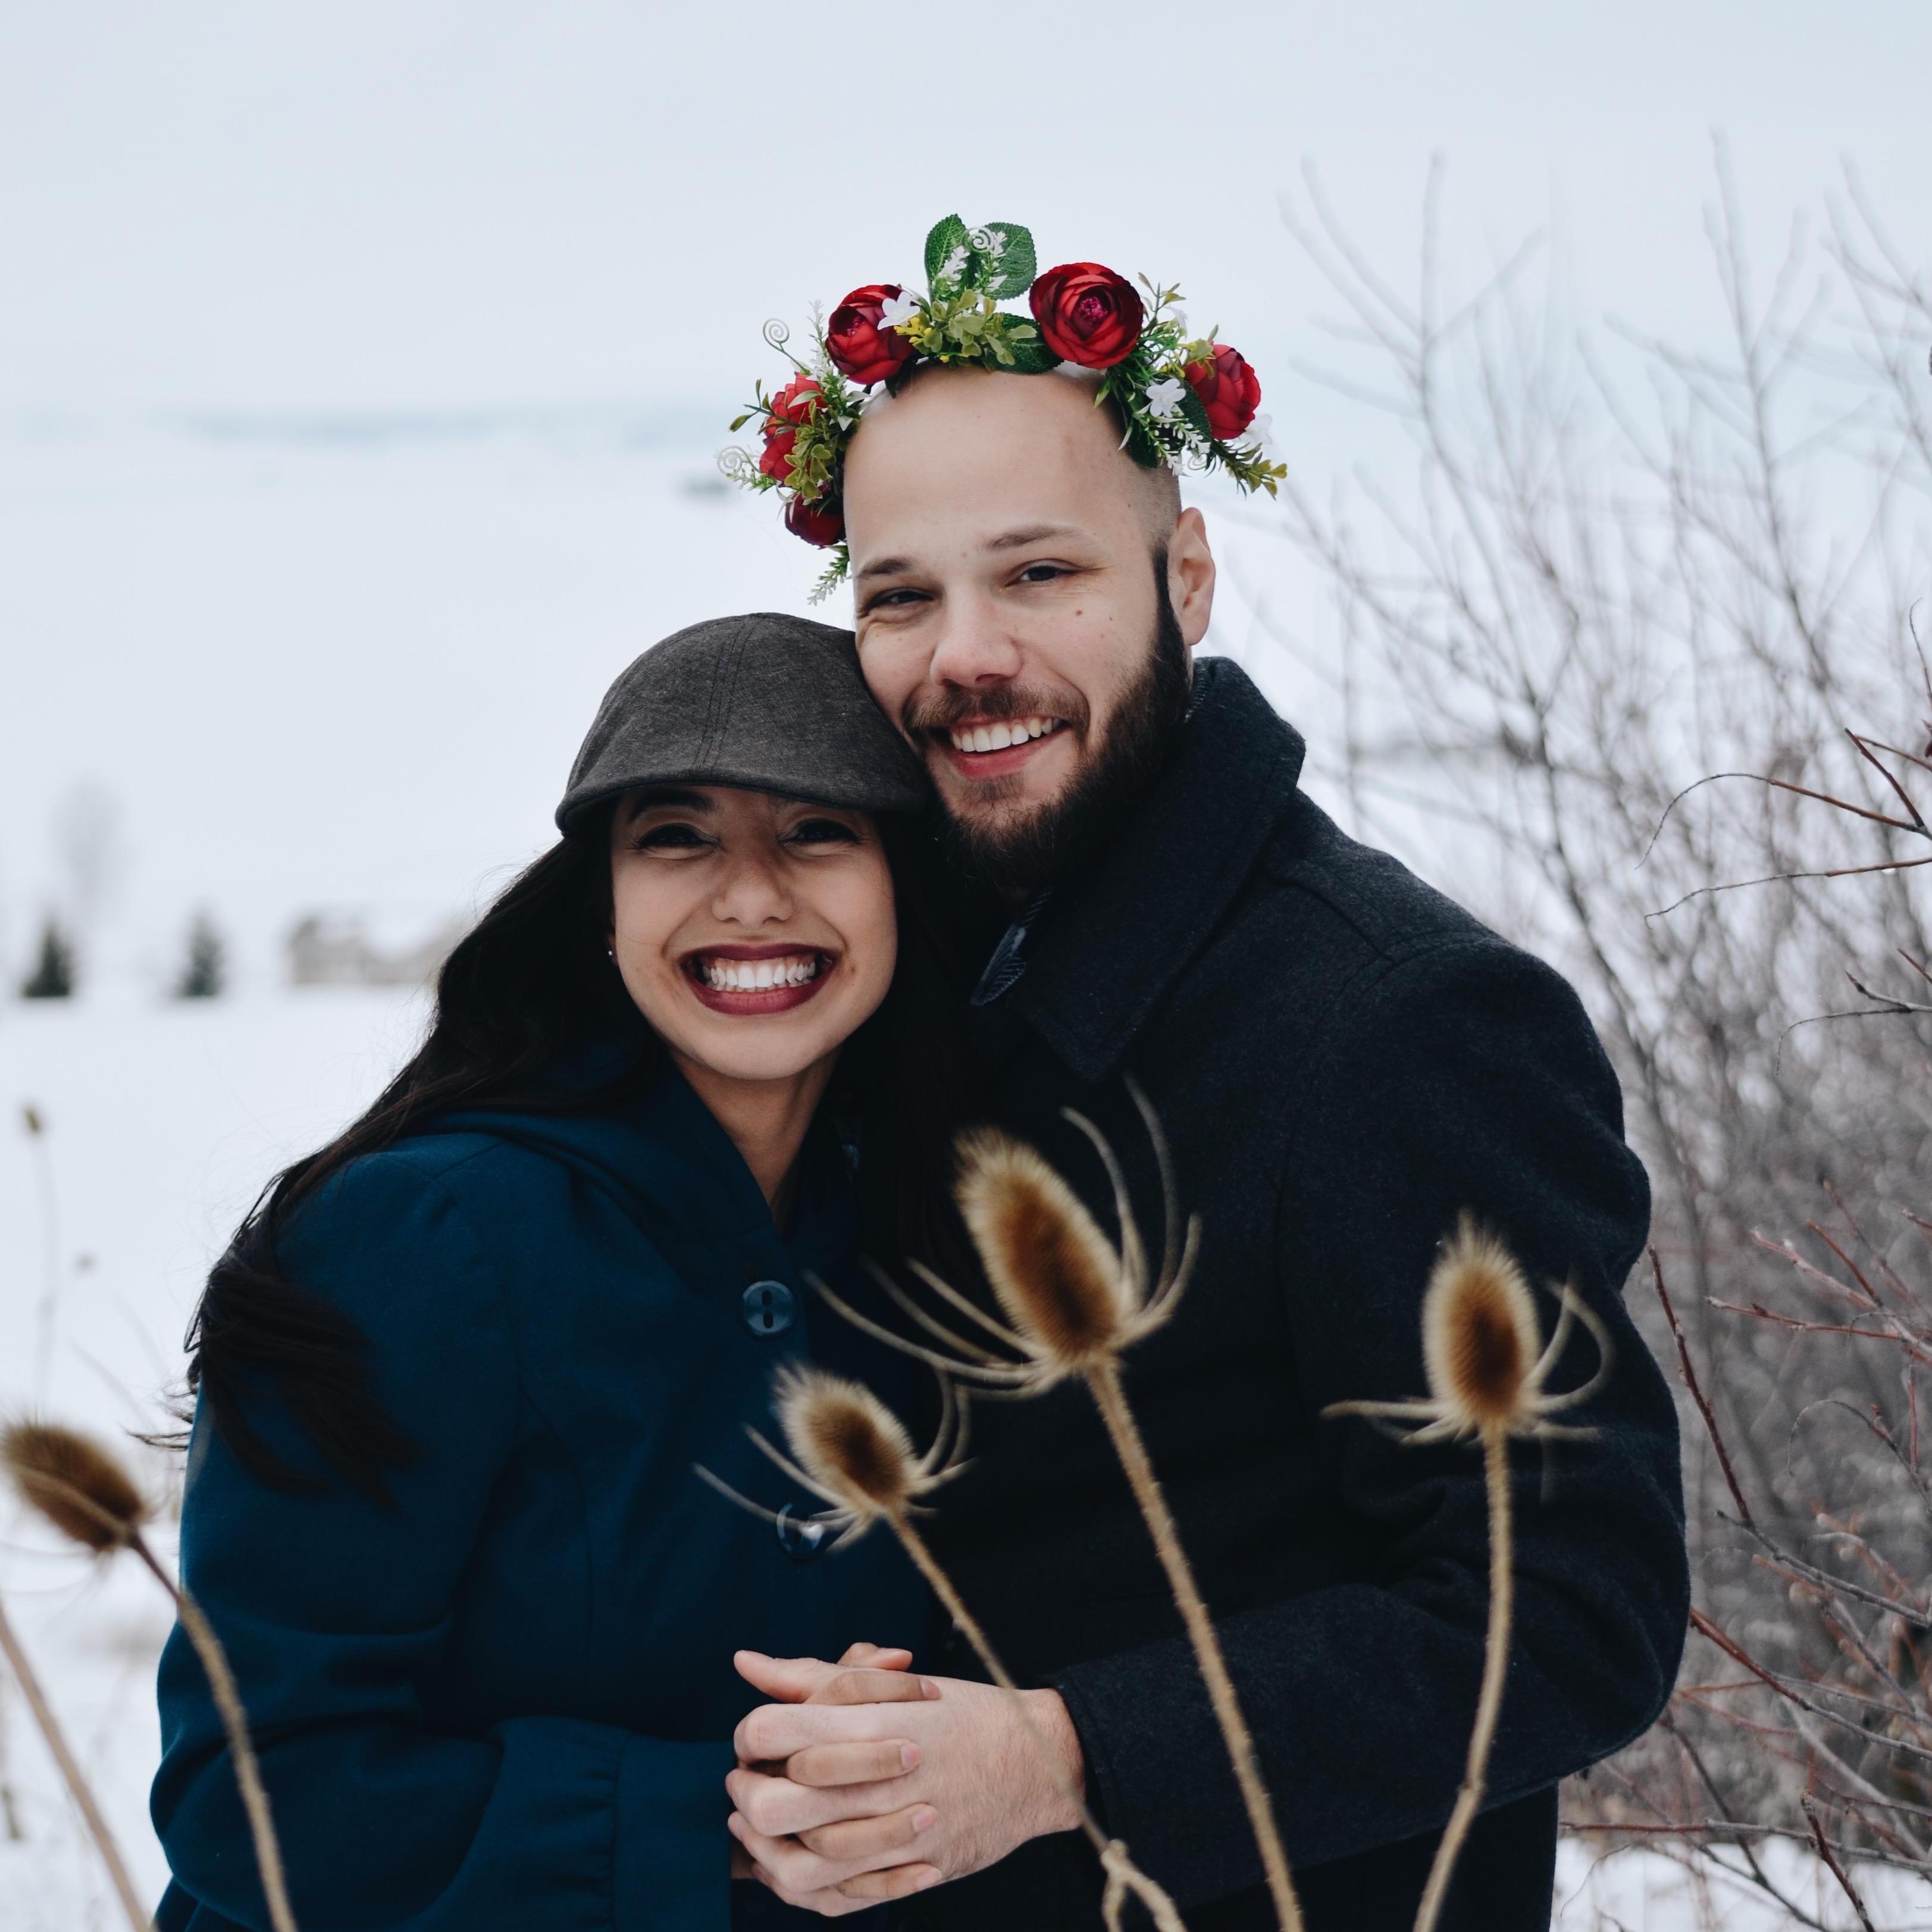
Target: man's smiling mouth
x: 1001, y: 734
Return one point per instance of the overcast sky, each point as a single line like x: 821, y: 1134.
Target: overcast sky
x: 387, y: 203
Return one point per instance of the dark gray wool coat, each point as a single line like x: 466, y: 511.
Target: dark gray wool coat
x: 1345, y: 1063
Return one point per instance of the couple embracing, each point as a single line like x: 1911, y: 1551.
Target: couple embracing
x: 822, y: 900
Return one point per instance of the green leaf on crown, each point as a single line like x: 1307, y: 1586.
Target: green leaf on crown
x: 1195, y: 411
x: 1011, y: 271
x: 1143, y: 448
x: 1031, y: 356
x: 948, y: 238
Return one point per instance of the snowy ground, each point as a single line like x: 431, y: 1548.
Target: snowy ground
x: 161, y: 1121
x: 328, y: 664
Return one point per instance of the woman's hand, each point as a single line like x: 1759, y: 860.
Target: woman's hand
x: 809, y: 1805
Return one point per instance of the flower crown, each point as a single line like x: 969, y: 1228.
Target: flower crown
x: 1187, y: 401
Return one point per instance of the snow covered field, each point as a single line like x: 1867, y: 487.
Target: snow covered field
x: 161, y: 1120
x: 331, y: 664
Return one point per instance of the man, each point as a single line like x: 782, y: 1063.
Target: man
x: 1344, y: 1064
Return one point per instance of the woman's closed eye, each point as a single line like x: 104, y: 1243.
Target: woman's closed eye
x: 808, y: 832
x: 673, y: 837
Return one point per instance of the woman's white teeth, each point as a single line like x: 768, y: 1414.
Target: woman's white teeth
x: 758, y: 976
x: 998, y: 737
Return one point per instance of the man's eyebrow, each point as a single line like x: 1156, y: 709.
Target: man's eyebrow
x: 676, y: 796
x: 1013, y: 539
x: 1028, y: 533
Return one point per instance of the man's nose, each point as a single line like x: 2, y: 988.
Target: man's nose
x: 752, y: 891
x: 975, y: 646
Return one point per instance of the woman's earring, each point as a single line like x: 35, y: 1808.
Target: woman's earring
x: 611, y: 954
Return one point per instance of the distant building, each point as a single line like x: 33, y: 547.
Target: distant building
x: 335, y: 950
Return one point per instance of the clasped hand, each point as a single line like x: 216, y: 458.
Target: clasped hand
x: 863, y: 1782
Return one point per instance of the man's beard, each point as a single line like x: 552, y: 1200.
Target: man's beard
x: 1021, y: 857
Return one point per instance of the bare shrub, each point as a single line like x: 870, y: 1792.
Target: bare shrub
x: 1612, y: 569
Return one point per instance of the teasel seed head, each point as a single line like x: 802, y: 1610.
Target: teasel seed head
x: 1073, y: 1302
x: 1480, y: 1334
x: 75, y: 1484
x: 1057, y: 1278
x: 851, y: 1445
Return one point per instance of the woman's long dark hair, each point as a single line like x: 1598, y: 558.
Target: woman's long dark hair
x: 529, y: 990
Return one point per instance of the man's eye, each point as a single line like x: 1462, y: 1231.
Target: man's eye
x: 1042, y: 573
x: 896, y: 600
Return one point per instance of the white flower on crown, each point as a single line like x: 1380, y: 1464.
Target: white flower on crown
x: 954, y: 266
x: 1187, y: 455
x: 896, y: 311
x: 1164, y: 398
x: 1261, y: 432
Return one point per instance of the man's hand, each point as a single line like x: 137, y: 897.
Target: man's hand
x: 844, y: 1800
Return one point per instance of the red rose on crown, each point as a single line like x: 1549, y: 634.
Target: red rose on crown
x: 796, y: 401
x: 793, y: 405
x: 821, y: 524
x: 858, y: 341
x: 1229, y: 390
x: 1087, y: 314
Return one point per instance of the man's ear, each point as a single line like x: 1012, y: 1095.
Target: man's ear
x: 1190, y: 576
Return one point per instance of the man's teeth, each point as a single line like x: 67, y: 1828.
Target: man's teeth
x: 758, y: 976
x: 997, y: 737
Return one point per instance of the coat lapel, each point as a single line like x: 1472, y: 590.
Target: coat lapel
x: 1115, y: 940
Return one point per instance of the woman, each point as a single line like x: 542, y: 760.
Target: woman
x: 454, y: 1374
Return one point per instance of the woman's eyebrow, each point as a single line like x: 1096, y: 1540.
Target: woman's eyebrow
x: 667, y: 795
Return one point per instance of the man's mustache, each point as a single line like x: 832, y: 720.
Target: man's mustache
x: 920, y: 715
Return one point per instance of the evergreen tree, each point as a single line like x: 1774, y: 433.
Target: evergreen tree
x: 53, y: 975
x: 204, y: 973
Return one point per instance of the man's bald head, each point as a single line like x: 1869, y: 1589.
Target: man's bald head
x: 956, y: 409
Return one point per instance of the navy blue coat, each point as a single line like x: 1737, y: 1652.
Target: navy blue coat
x: 505, y: 1704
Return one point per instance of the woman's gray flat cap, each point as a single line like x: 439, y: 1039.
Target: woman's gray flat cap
x: 771, y: 703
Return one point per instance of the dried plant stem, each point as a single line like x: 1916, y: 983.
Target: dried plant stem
x: 77, y: 1785
x: 235, y: 1721
x: 9, y: 1810
x: 47, y: 1316
x: 1489, y: 1701
x: 1833, y: 1865
x: 1104, y: 1382
x: 1691, y: 1383
x: 1123, y: 1875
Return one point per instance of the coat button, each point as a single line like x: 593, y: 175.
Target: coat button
x: 770, y: 1307
x: 801, y: 1539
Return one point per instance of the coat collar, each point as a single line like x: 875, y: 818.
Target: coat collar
x: 663, y: 1157
x: 1110, y: 945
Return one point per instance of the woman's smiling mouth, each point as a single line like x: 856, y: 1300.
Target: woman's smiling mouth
x: 753, y: 979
